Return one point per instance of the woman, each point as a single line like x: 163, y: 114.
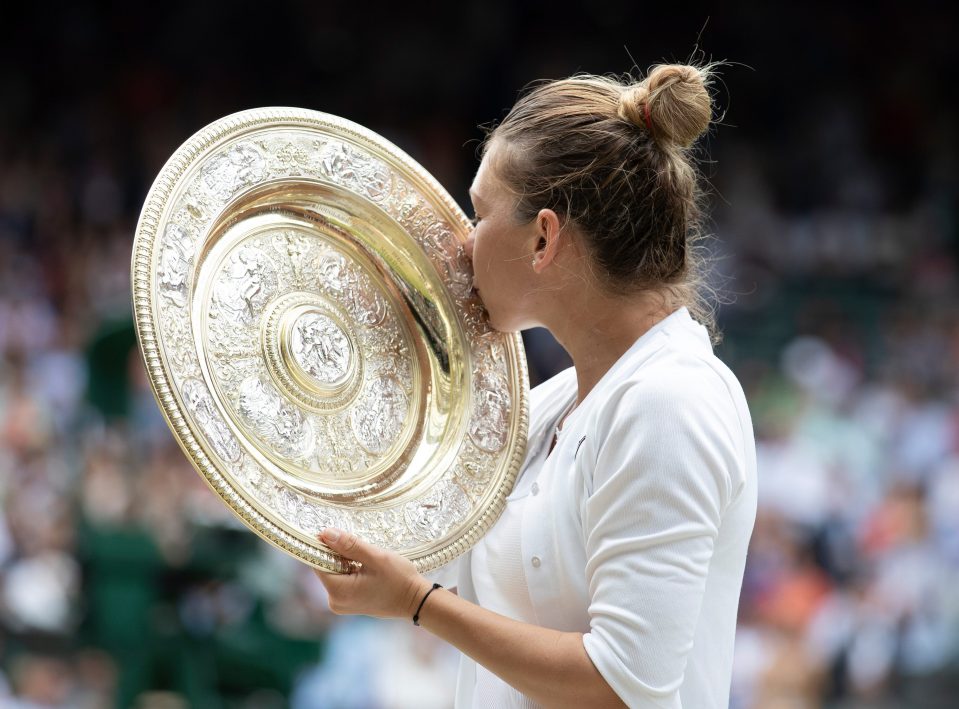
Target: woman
x: 613, y: 575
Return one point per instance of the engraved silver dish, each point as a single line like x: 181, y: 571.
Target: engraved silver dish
x: 304, y: 308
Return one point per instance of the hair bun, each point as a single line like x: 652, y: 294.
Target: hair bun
x: 632, y: 105
x: 673, y: 103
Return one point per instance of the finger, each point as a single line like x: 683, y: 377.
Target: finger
x: 340, y: 595
x: 348, y: 544
x: 334, y: 583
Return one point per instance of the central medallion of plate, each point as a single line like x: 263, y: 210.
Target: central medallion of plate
x: 311, y: 351
x: 320, y: 348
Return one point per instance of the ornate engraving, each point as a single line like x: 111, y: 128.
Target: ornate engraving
x: 353, y: 288
x: 312, y: 518
x: 287, y: 502
x: 475, y: 318
x: 378, y: 180
x: 336, y: 275
x: 174, y: 268
x: 247, y: 285
x: 339, y: 454
x: 431, y: 517
x: 420, y: 221
x: 449, y: 256
x: 473, y: 474
x: 489, y: 426
x: 295, y: 252
x: 240, y: 166
x: 377, y: 423
x: 339, y: 162
x: 232, y: 349
x: 294, y: 157
x: 386, y: 528
x: 198, y: 403
x: 397, y: 362
x: 186, y: 366
x: 249, y: 473
x: 337, y: 369
x: 321, y: 348
x: 308, y: 518
x: 278, y: 423
x: 265, y: 492
x: 367, y: 306
x: 489, y: 353
x: 457, y: 269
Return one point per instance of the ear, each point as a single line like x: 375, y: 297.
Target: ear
x: 548, y: 239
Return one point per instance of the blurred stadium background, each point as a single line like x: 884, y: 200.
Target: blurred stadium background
x: 124, y: 582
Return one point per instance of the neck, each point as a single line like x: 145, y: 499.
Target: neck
x: 597, y: 332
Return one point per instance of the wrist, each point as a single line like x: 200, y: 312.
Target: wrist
x: 418, y: 589
x: 420, y: 606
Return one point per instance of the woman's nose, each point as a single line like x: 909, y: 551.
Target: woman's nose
x: 468, y: 246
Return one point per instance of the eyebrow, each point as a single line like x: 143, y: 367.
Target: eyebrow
x: 474, y: 196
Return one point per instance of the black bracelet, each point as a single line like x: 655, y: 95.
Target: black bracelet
x: 416, y: 616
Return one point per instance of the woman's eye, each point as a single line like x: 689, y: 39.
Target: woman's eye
x: 474, y: 221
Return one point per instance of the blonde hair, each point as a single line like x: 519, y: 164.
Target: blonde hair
x: 614, y: 158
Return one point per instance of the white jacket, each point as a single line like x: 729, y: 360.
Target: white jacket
x: 637, y: 531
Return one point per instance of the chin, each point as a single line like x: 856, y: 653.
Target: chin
x: 502, y: 323
x: 497, y: 322
x: 504, y: 318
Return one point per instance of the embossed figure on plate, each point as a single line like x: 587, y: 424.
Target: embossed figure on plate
x: 201, y: 407
x: 335, y: 273
x: 276, y: 421
x: 247, y: 284
x: 431, y: 517
x: 489, y: 427
x: 367, y: 307
x: 321, y: 348
x: 378, y: 423
x: 174, y: 264
x: 239, y: 166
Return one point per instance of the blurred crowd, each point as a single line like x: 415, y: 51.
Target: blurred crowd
x: 125, y: 582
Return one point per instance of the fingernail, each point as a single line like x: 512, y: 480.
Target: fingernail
x: 330, y: 534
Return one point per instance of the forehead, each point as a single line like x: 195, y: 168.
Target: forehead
x: 486, y: 185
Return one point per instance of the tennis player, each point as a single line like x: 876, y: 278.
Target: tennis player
x: 613, y: 576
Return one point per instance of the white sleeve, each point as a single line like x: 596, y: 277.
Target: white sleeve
x: 660, y: 484
x: 448, y: 574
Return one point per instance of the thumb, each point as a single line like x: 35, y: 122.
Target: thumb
x: 347, y: 544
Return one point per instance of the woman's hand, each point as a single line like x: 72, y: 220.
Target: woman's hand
x: 386, y: 585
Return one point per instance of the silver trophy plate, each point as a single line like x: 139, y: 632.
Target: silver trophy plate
x: 305, y: 311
